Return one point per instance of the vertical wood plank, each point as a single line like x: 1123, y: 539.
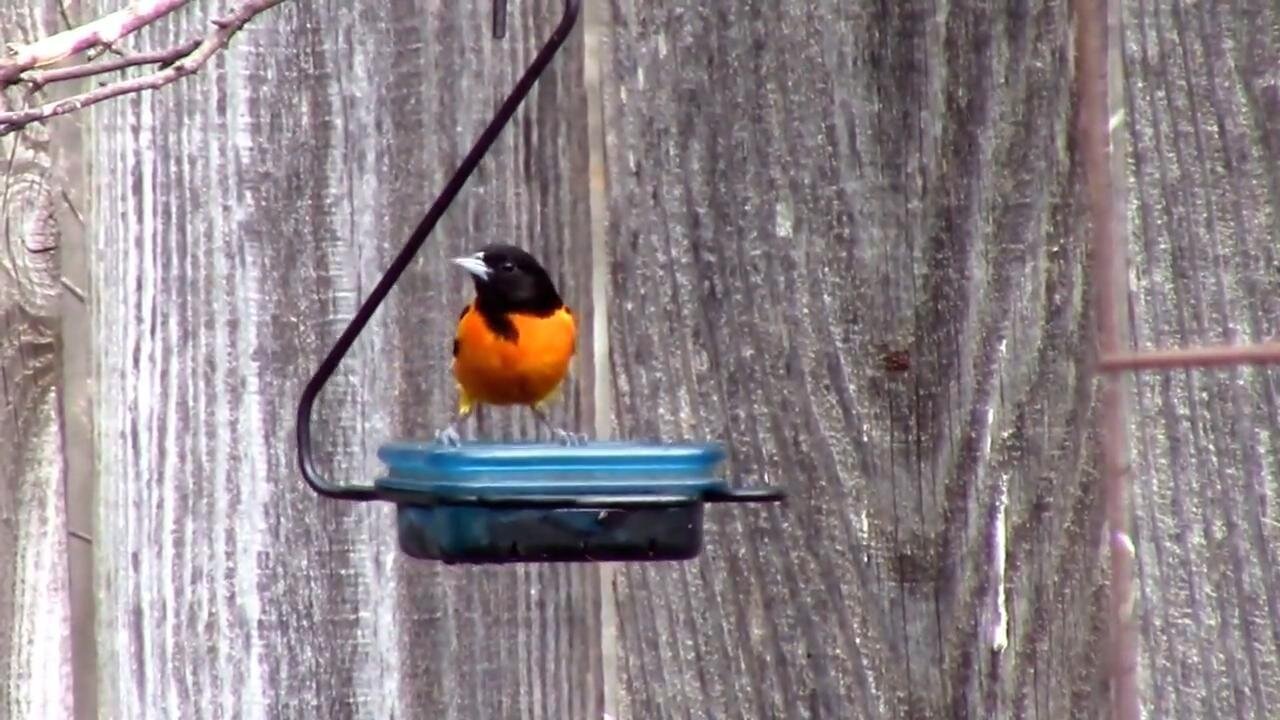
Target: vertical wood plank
x: 35, y: 647
x: 846, y: 241
x: 799, y: 194
x: 243, y: 214
x: 1203, y: 128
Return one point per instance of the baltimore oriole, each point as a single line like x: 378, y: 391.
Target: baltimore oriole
x: 514, y: 341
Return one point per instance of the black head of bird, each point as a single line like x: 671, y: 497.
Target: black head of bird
x: 508, y: 279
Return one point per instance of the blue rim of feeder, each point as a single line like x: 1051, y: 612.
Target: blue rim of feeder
x: 599, y: 474
x: 523, y: 502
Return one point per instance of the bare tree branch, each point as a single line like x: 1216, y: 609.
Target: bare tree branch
x: 165, y: 57
x: 101, y: 32
x: 176, y: 62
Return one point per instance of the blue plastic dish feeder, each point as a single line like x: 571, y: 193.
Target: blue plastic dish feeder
x: 495, y: 503
x: 487, y: 503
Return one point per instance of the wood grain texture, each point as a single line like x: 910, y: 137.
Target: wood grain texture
x: 242, y: 214
x: 35, y: 647
x: 1203, y: 130
x: 847, y: 239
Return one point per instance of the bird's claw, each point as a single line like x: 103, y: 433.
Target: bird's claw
x: 449, y: 437
x: 564, y: 437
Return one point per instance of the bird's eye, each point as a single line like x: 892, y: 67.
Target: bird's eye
x: 507, y: 267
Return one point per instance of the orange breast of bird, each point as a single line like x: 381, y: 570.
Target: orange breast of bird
x: 521, y: 370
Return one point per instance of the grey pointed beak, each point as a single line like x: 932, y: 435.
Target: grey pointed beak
x: 474, y: 264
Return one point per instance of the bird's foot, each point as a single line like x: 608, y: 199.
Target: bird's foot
x: 564, y: 437
x: 449, y: 437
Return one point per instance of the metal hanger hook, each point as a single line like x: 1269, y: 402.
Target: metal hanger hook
x: 306, y: 402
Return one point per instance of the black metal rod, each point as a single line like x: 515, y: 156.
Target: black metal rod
x: 306, y: 461
x: 745, y: 495
x: 499, y: 19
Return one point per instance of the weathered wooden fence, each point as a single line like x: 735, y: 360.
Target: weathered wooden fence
x: 848, y: 239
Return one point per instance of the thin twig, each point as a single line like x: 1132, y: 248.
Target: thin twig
x: 76, y: 292
x: 1109, y: 288
x: 40, y: 79
x: 1211, y: 356
x: 101, y: 32
x: 72, y: 207
x: 66, y: 16
x: 224, y: 28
